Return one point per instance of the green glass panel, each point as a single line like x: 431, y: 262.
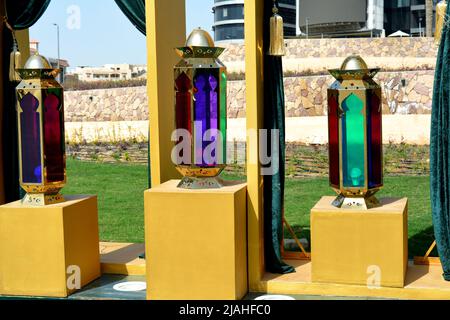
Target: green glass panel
x: 353, y: 142
x: 223, y: 113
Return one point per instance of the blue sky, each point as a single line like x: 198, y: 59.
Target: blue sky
x: 104, y: 35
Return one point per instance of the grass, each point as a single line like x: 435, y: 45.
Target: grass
x: 120, y: 190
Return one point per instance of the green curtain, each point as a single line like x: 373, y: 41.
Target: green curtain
x: 439, y: 152
x: 135, y: 11
x: 21, y: 14
x: 274, y: 119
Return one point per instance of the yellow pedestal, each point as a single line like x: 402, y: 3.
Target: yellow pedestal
x: 196, y: 245
x: 42, y: 248
x: 360, y: 247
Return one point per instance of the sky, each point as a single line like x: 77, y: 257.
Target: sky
x: 96, y: 32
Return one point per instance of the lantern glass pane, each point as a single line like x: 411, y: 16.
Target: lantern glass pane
x: 30, y: 140
x: 374, y: 140
x: 333, y: 138
x: 183, y: 117
x: 53, y: 138
x: 206, y: 118
x: 223, y: 113
x: 183, y: 102
x: 353, y: 142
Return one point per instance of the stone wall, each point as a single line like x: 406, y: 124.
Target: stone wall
x: 331, y: 48
x: 405, y: 92
x: 408, y: 92
x: 119, y: 104
x: 317, y: 55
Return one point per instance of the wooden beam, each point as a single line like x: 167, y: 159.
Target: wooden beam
x: 254, y: 58
x: 166, y: 30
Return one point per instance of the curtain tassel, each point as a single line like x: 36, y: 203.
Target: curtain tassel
x: 441, y: 20
x: 277, y: 47
x: 14, y: 63
x: 15, y: 59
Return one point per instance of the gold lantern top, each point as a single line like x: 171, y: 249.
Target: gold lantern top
x: 37, y: 66
x: 199, y: 44
x: 354, y: 67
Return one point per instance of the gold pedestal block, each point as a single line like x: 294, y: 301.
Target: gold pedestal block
x: 49, y: 251
x: 363, y: 247
x: 196, y: 242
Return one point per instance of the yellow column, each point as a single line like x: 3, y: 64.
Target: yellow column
x: 2, y: 86
x: 254, y: 56
x: 166, y: 30
x: 23, y: 38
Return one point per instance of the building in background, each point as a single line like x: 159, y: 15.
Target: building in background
x: 340, y: 18
x: 63, y: 64
x: 407, y: 15
x: 229, y: 19
x: 111, y: 72
x: 330, y: 19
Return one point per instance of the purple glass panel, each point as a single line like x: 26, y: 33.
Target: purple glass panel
x: 201, y: 115
x: 214, y: 112
x: 30, y: 140
x: 53, y: 139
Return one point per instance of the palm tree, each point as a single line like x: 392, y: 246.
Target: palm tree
x: 429, y: 17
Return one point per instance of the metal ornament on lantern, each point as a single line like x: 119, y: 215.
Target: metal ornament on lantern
x: 355, y: 135
x: 40, y: 116
x: 200, y: 111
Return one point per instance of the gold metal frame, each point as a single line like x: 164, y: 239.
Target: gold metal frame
x: 196, y: 58
x: 34, y: 81
x: 358, y: 82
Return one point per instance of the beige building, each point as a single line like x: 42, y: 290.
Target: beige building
x: 111, y: 72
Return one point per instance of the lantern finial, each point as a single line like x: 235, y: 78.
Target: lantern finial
x: 37, y: 61
x: 354, y: 62
x: 199, y: 38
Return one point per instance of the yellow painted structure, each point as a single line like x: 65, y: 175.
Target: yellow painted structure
x: 40, y: 245
x: 166, y: 31
x: 422, y: 282
x: 363, y: 247
x: 122, y: 258
x: 254, y: 76
x: 196, y: 242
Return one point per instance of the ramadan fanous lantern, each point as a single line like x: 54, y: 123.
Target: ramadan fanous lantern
x: 200, y: 112
x: 355, y: 137
x: 40, y: 115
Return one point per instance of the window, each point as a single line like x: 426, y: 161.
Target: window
x: 230, y: 12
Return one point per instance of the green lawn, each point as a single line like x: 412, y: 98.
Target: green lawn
x: 120, y: 190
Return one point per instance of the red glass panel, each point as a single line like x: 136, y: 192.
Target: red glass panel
x: 375, y: 140
x: 53, y: 138
x: 333, y: 137
x: 183, y: 102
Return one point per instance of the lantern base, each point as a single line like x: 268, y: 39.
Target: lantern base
x: 42, y: 199
x: 194, y: 183
x: 357, y: 203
